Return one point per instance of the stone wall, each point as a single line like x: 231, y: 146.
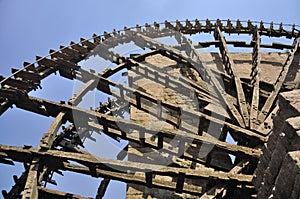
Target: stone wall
x: 278, y: 171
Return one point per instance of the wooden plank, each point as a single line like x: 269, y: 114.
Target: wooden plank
x: 135, y: 179
x: 46, y: 193
x: 110, y: 121
x: 31, y: 189
x: 26, y: 75
x: 180, y: 182
x: 66, y: 64
x: 102, y: 188
x: 49, y: 63
x: 266, y: 127
x: 135, y: 66
x: 184, y: 83
x: 119, y: 166
x: 86, y: 43
x: 49, y: 137
x: 194, y: 59
x: 17, y: 84
x: 87, y: 76
x: 217, y: 109
x: 77, y: 97
x: 73, y: 53
x: 149, y: 178
x: 82, y: 49
x: 46, y: 143
x: 58, y: 55
x: 218, y: 190
x: 254, y: 81
x: 232, y: 71
x: 233, y: 149
x: 279, y: 82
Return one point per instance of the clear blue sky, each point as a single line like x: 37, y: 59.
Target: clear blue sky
x: 32, y: 27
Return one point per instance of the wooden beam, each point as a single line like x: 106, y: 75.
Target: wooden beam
x: 31, y: 187
x: 77, y: 97
x: 110, y: 121
x: 49, y: 137
x: 219, y: 190
x: 143, y: 41
x: 86, y: 75
x: 254, y: 81
x: 266, y: 109
x: 50, y: 194
x: 232, y: 71
x: 118, y: 166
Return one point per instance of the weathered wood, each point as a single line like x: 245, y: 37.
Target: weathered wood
x: 77, y: 97
x: 76, y: 55
x: 218, y: 190
x: 49, y: 194
x: 232, y: 71
x: 27, y: 75
x: 86, y: 75
x: 17, y: 154
x: 49, y: 137
x: 46, y: 143
x: 58, y: 55
x: 285, y: 68
x: 193, y: 58
x: 188, y: 154
x: 87, y: 44
x: 254, y: 81
x: 82, y: 49
x: 31, y: 187
x: 110, y: 121
x: 102, y: 188
x: 43, y: 161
